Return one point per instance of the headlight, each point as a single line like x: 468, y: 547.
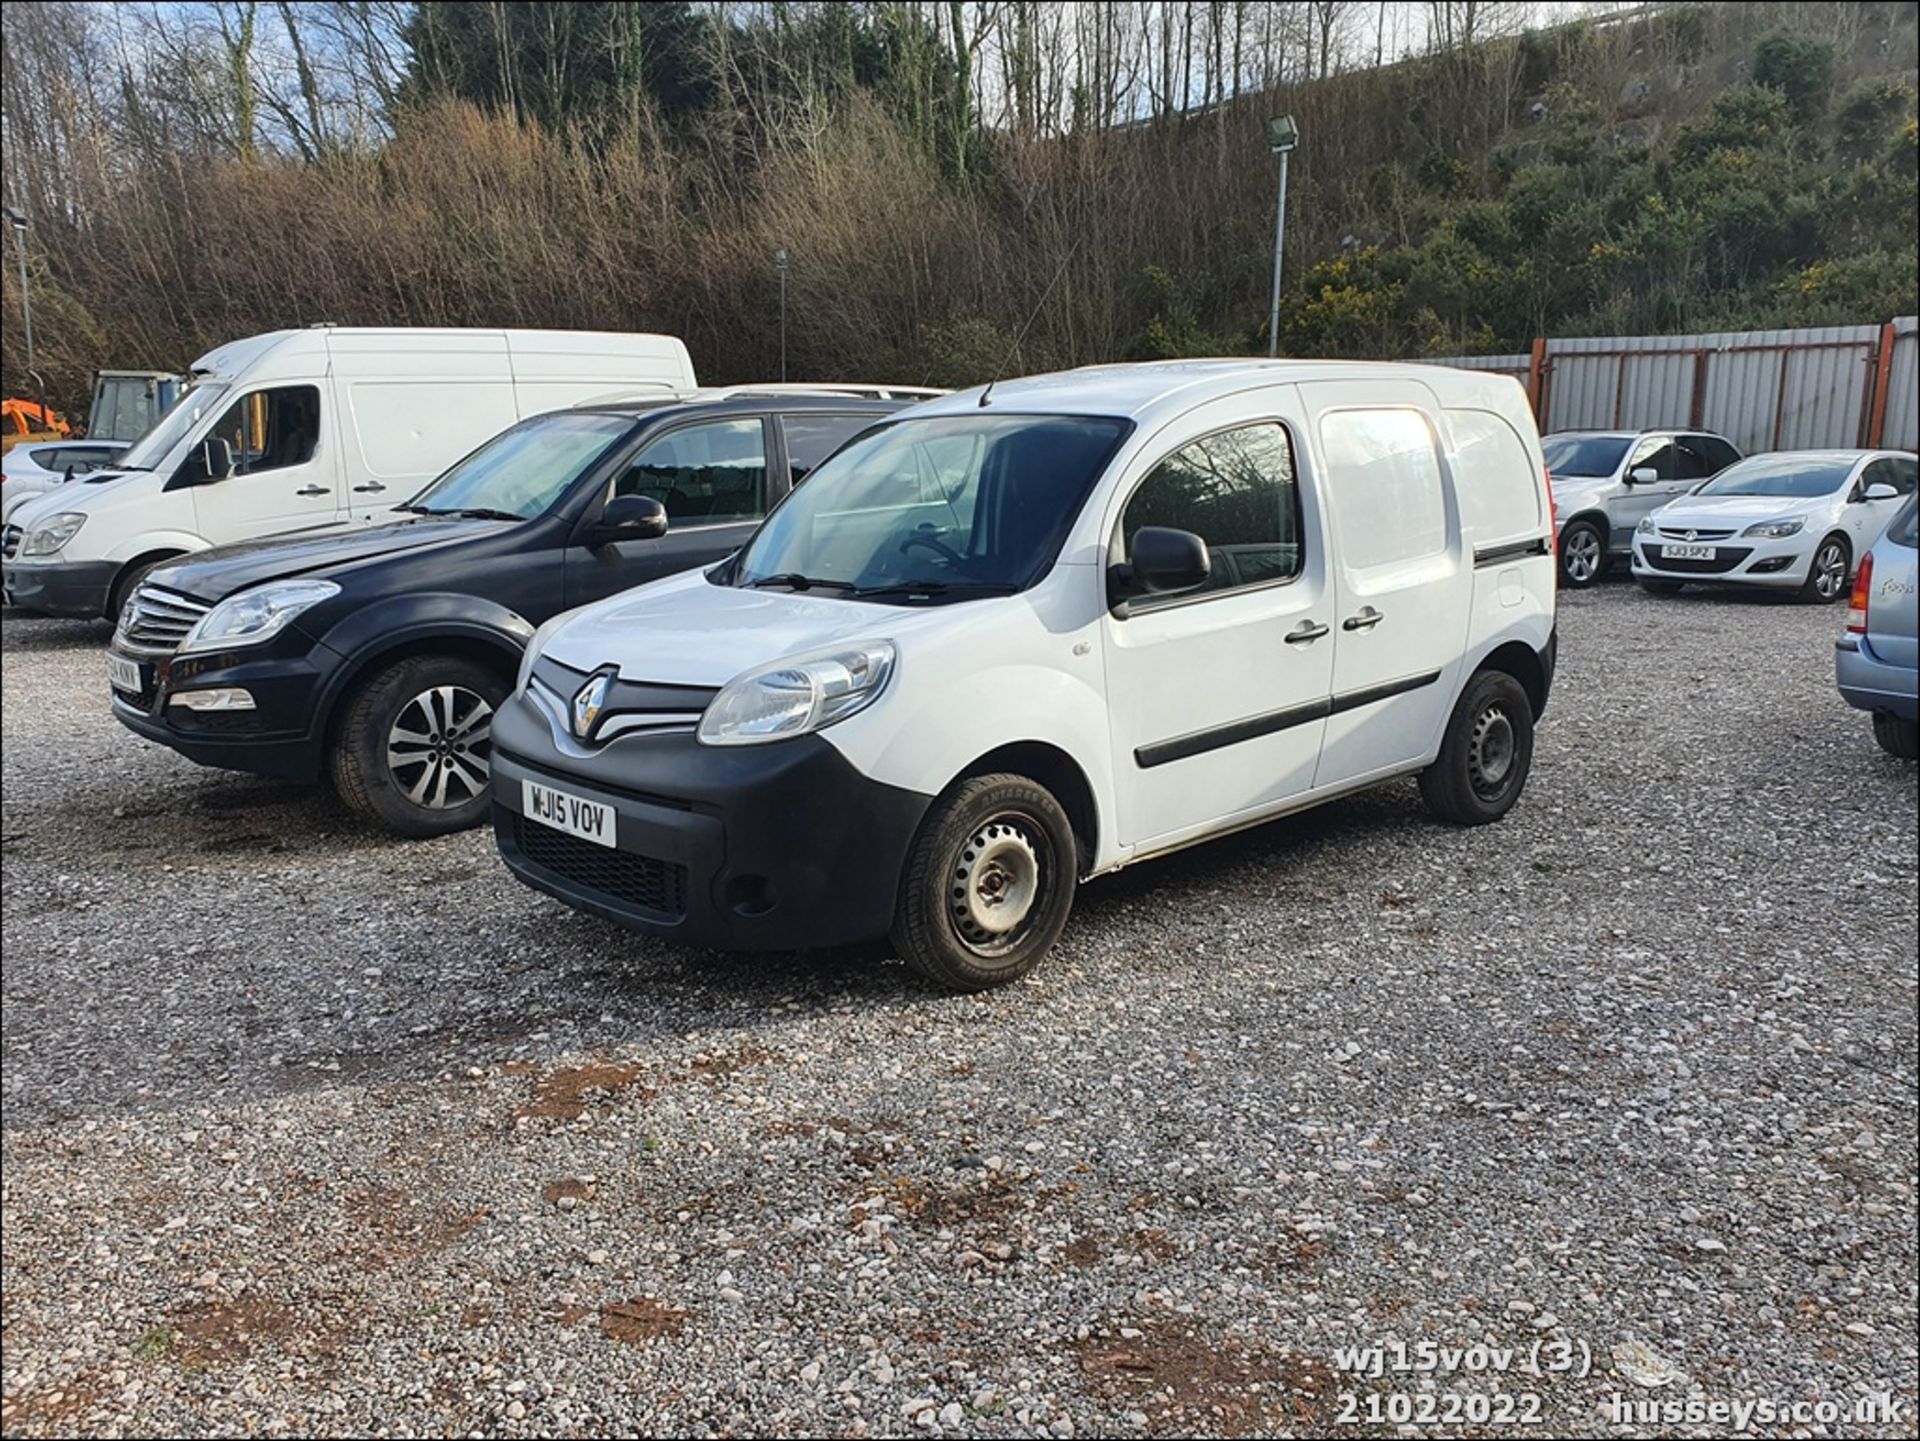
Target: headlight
x: 546, y: 628
x: 58, y: 530
x: 1646, y: 525
x: 796, y: 697
x: 256, y: 615
x: 1777, y: 529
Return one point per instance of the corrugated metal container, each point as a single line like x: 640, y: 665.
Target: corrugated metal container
x: 1903, y: 387
x: 1504, y: 364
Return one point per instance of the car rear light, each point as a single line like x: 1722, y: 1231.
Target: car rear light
x: 1862, y: 590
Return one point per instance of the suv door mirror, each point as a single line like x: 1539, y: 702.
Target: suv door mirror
x: 1880, y: 490
x: 1163, y: 560
x: 629, y: 517
x: 1642, y: 475
x: 216, y: 458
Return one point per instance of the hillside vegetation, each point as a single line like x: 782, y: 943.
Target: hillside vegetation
x: 1693, y: 166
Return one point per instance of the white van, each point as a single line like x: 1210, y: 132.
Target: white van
x: 307, y: 430
x: 1014, y: 638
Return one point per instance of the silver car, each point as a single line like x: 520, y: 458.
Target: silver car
x: 1606, y: 481
x: 1877, y: 662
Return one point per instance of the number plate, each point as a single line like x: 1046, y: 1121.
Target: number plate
x: 1689, y: 552
x: 127, y: 675
x: 576, y: 815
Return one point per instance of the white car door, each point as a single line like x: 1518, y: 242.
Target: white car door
x: 285, y: 474
x: 1403, y: 578
x: 1676, y: 471
x: 1217, y: 697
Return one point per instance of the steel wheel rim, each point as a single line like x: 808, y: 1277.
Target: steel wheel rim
x: 1495, y: 748
x: 439, y: 748
x: 1583, y: 555
x: 1830, y: 571
x: 999, y: 879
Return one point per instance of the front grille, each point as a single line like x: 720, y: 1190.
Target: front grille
x: 1693, y: 535
x: 641, y: 882
x: 1719, y: 565
x: 10, y: 542
x: 156, y: 621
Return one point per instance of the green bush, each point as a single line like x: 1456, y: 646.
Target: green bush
x: 1799, y: 67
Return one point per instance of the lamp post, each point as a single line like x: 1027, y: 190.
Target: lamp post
x: 780, y: 262
x: 19, y: 224
x: 1282, y: 136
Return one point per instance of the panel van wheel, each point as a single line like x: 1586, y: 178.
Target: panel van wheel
x: 988, y: 884
x: 413, y: 749
x: 1583, y: 555
x: 1488, y: 750
x: 127, y: 582
x: 1828, y: 575
x: 1897, y: 737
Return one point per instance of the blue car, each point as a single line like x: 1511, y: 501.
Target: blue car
x: 1877, y: 662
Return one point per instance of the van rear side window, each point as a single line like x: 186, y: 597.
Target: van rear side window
x: 1383, y: 474
x: 1499, y: 492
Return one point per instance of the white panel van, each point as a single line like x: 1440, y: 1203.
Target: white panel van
x: 308, y: 431
x: 1013, y: 638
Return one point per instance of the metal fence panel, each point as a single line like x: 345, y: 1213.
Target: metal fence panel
x: 1903, y: 386
x: 1517, y: 365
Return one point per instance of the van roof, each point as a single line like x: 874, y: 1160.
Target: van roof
x: 238, y: 355
x: 1137, y: 389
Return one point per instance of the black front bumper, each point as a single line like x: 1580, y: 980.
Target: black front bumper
x: 76, y: 588
x: 283, y: 736
x: 774, y: 847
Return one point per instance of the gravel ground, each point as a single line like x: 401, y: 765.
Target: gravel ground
x: 308, y: 1130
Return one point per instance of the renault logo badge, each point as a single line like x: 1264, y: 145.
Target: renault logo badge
x: 588, y: 701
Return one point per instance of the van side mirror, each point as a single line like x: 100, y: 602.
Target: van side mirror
x: 1880, y: 490
x: 1163, y: 560
x: 1642, y: 475
x: 629, y: 517
x: 216, y: 459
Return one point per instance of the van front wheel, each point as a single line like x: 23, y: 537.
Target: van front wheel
x: 1488, y: 750
x: 988, y: 884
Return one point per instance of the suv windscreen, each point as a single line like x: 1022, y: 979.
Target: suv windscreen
x: 946, y: 505
x: 1789, y: 476
x: 521, y: 472
x: 1584, y: 455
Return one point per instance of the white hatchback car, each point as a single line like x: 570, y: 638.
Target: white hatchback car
x: 1791, y: 520
x: 1017, y: 637
x: 34, y: 469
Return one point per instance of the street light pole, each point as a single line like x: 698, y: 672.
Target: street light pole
x: 1282, y: 136
x: 780, y: 263
x: 19, y: 224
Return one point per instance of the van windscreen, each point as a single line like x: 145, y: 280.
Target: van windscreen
x: 949, y: 507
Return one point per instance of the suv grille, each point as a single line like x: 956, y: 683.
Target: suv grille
x: 156, y: 620
x: 641, y: 882
x: 10, y: 542
x: 1719, y: 565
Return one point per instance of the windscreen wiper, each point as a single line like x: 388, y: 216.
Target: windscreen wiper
x: 479, y: 512
x: 793, y: 580
x: 932, y: 588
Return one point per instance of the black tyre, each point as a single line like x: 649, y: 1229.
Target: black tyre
x: 128, y: 581
x: 1830, y: 572
x: 1897, y: 737
x: 988, y: 884
x: 1583, y: 555
x: 1488, y: 750
x: 1661, y: 587
x: 414, y: 746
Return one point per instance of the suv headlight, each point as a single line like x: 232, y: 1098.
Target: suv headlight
x: 49, y: 537
x: 797, y: 697
x: 256, y: 615
x: 1777, y: 529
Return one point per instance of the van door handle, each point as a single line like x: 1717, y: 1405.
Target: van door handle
x: 1306, y: 633
x: 369, y: 487
x: 1366, y: 620
x: 311, y: 490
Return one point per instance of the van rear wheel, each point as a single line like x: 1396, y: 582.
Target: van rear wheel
x: 1488, y: 751
x: 413, y: 750
x: 988, y: 884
